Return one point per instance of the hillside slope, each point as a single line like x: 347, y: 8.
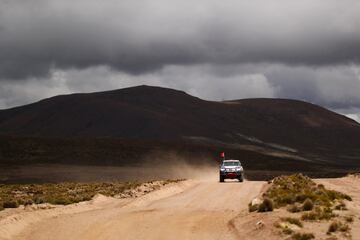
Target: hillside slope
x: 159, y: 114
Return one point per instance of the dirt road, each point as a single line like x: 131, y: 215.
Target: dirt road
x: 187, y: 210
x: 192, y: 209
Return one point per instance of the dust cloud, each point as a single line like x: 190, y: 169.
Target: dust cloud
x: 177, y: 166
x: 154, y: 166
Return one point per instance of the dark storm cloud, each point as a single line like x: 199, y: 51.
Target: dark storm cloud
x: 141, y: 36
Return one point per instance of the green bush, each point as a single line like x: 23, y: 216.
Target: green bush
x: 38, y: 200
x: 347, y: 197
x: 294, y: 208
x: 344, y: 228
x: 308, y: 205
x: 10, y: 204
x: 334, y: 226
x: 338, y: 226
x: 28, y: 202
x: 349, y: 219
x: 294, y: 221
x: 287, y: 231
x: 341, y: 206
x: 319, y: 213
x: 311, y: 216
x: 266, y: 206
x: 303, y: 236
x: 253, y: 208
x: 63, y: 201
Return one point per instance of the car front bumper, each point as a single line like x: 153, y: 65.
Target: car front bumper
x: 232, y: 175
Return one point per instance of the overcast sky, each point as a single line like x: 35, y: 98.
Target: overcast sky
x: 217, y: 50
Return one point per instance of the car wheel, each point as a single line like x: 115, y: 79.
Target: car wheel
x: 221, y: 179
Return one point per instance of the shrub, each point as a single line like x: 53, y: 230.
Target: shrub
x: 287, y: 231
x: 253, y: 208
x: 332, y: 238
x: 338, y: 226
x: 309, y: 216
x: 63, y: 201
x: 266, y: 206
x: 39, y: 200
x: 303, y: 236
x: 334, y: 226
x: 294, y: 208
x: 347, y: 197
x: 341, y: 206
x: 319, y: 214
x: 349, y: 219
x: 300, y: 189
x: 10, y: 204
x: 28, y: 202
x: 344, y: 228
x: 308, y: 205
x: 327, y: 214
x: 294, y: 221
x: 287, y: 199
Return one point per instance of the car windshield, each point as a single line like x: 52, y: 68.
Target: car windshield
x: 232, y: 163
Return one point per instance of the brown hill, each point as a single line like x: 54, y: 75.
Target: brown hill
x: 279, y: 128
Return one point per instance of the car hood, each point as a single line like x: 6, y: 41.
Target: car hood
x: 231, y: 167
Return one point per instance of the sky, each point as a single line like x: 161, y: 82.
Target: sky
x: 216, y: 50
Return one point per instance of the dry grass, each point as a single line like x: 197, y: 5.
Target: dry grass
x: 286, y: 225
x: 297, y: 189
x: 13, y: 195
x: 307, y: 201
x: 319, y: 213
x: 302, y: 236
x: 294, y: 221
x: 300, y: 193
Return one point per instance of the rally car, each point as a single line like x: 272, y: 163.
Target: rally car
x: 231, y: 169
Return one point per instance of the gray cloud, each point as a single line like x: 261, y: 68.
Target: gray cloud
x: 307, y: 50
x: 143, y: 36
x: 334, y: 87
x: 354, y: 116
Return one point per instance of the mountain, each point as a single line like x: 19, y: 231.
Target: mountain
x: 279, y: 128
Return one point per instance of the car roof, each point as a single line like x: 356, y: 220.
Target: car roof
x: 231, y: 160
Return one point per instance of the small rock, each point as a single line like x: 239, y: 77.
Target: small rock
x: 259, y: 224
x: 256, y: 201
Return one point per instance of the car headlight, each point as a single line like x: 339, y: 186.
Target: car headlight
x: 222, y: 169
x: 239, y: 169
